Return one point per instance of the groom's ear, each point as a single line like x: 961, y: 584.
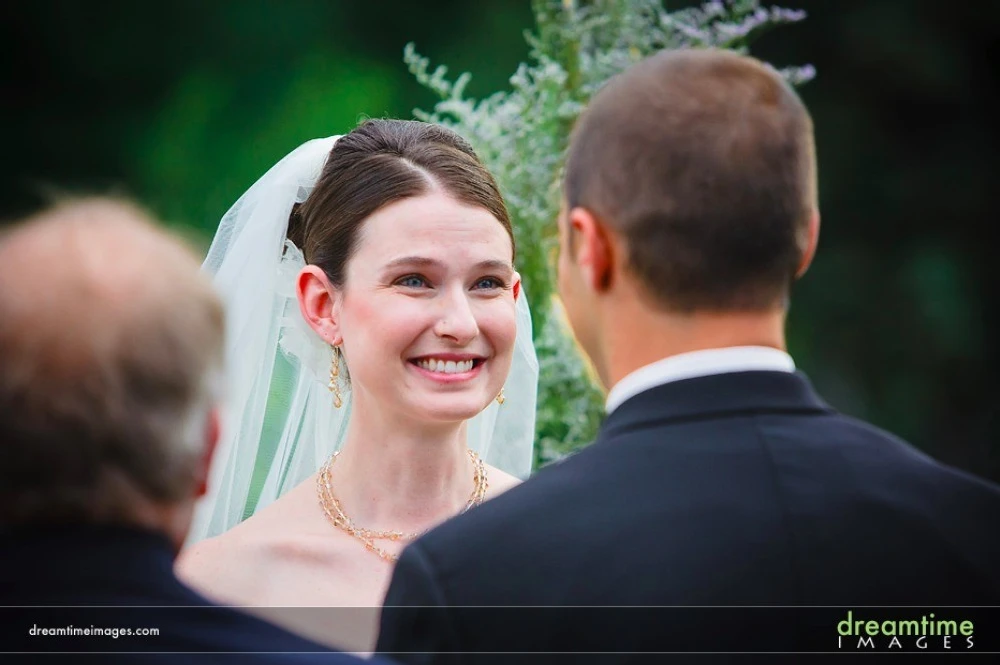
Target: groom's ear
x: 318, y: 303
x: 810, y: 239
x: 592, y: 248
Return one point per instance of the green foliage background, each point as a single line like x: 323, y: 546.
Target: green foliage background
x: 185, y: 104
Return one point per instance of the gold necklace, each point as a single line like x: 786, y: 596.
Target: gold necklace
x: 335, y: 513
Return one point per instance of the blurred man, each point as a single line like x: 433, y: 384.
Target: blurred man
x: 720, y: 477
x: 110, y: 361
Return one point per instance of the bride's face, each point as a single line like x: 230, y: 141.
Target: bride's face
x: 427, y: 311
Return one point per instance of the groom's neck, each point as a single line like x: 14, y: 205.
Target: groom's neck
x: 636, y: 335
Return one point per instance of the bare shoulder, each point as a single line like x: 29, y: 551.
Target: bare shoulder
x: 233, y: 567
x: 500, y: 481
x: 223, y: 568
x: 274, y: 557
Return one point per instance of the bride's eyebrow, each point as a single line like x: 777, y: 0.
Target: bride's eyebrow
x: 426, y: 262
x: 412, y: 262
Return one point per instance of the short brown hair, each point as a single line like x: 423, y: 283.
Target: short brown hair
x: 703, y: 161
x: 110, y: 356
x: 378, y: 163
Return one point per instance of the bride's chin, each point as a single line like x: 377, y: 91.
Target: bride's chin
x: 447, y: 408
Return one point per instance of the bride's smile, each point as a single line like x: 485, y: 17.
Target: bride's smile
x: 449, y: 367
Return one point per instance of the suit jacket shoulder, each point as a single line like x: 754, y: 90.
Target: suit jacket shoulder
x: 727, y: 489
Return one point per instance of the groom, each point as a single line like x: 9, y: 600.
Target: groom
x: 720, y: 477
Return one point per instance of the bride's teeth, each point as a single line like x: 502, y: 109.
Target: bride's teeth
x: 447, y: 367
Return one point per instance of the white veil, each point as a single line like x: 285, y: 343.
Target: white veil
x: 279, y: 422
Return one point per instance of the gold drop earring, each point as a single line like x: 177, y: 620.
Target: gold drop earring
x: 500, y: 398
x: 334, y: 385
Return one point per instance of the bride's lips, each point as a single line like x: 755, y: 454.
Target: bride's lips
x: 453, y: 377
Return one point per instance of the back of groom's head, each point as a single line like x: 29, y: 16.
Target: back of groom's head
x: 110, y: 355
x: 703, y: 162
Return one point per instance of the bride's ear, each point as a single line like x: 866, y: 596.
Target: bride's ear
x: 318, y: 302
x: 517, y: 286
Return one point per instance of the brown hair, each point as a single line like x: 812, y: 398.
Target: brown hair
x: 378, y: 163
x: 111, y: 352
x: 703, y: 161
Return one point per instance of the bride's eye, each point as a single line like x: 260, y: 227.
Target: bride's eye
x: 412, y: 282
x: 490, y: 283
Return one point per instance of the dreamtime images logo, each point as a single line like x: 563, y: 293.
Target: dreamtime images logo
x: 928, y: 632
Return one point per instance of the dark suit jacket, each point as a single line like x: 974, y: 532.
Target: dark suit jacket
x: 733, y: 489
x: 125, y: 579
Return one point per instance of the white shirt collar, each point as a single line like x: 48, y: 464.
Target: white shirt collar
x: 698, y: 363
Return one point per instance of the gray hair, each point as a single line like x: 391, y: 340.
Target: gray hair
x: 110, y: 362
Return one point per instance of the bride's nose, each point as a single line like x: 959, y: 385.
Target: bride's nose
x: 456, y: 320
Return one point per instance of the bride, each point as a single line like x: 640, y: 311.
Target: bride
x: 382, y: 376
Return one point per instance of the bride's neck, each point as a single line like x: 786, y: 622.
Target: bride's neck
x: 402, y: 476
